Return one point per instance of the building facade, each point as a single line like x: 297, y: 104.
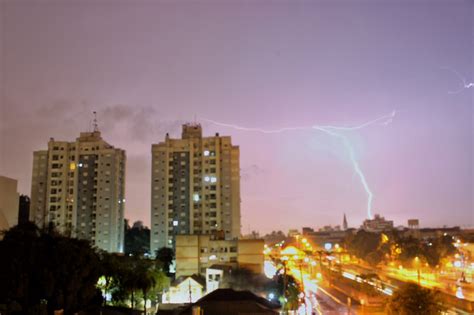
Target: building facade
x: 9, y: 199
x: 79, y: 187
x: 196, y: 253
x: 195, y: 187
x: 377, y: 224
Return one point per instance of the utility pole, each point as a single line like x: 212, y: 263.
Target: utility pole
x: 302, y: 286
x: 190, y: 293
x: 285, y: 283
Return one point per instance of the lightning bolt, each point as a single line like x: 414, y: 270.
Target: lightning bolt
x: 464, y: 83
x: 333, y: 131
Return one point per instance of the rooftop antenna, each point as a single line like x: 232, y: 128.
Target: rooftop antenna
x: 96, y: 126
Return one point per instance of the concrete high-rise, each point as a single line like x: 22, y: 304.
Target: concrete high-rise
x: 195, y: 187
x: 80, y: 188
x: 9, y: 199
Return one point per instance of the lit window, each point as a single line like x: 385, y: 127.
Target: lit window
x: 175, y: 223
x: 207, y: 178
x: 196, y: 197
x: 213, y: 179
x: 206, y: 153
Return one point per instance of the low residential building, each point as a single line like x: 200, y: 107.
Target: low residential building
x: 228, y: 302
x: 185, y: 289
x: 215, y: 276
x: 250, y: 254
x: 195, y: 253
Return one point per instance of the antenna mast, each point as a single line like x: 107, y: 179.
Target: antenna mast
x: 96, y: 126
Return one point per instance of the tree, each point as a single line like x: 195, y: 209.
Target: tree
x: 45, y: 271
x: 412, y: 299
x: 165, y: 257
x: 111, y: 266
x: 137, y: 239
x: 368, y: 246
x: 437, y: 249
x: 131, y: 278
x: 410, y: 249
x: 286, y: 287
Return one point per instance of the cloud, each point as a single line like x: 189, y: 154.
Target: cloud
x: 251, y: 171
x: 138, y: 123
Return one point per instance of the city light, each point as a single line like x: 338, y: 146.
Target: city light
x: 320, y: 115
x: 269, y: 269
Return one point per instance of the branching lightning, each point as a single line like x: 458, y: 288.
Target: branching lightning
x: 464, y: 83
x: 256, y: 129
x: 334, y: 131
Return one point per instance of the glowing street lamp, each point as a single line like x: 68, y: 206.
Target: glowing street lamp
x: 417, y: 262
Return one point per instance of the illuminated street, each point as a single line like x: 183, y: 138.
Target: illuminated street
x: 322, y: 295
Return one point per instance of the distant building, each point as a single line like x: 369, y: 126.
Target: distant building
x: 322, y: 237
x: 274, y: 237
x: 195, y: 187
x: 329, y: 228
x: 413, y: 224
x: 377, y: 224
x: 344, y: 223
x: 293, y: 232
x: 430, y: 233
x: 307, y: 231
x: 24, y: 209
x: 9, y: 199
x: 79, y: 187
x: 196, y: 253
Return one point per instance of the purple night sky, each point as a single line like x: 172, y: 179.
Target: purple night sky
x: 148, y: 66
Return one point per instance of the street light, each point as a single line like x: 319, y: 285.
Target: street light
x: 417, y: 262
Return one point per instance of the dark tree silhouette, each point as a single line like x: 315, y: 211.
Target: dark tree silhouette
x: 164, y: 257
x: 137, y: 239
x: 412, y: 299
x: 44, y: 270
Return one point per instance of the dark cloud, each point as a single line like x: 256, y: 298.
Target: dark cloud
x: 249, y: 172
x: 138, y: 123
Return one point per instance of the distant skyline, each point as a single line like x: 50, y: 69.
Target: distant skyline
x: 147, y: 67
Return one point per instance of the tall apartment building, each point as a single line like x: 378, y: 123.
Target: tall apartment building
x: 80, y: 188
x: 9, y: 199
x: 195, y: 187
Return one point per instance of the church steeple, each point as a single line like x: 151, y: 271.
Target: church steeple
x: 344, y: 223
